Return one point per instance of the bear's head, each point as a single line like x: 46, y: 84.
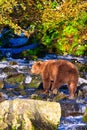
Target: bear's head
x: 37, y: 68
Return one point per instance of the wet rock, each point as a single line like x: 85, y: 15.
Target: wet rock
x: 82, y: 91
x: 29, y: 114
x: 11, y: 95
x: 81, y: 127
x: 13, y: 63
x: 59, y: 96
x: 85, y: 116
x: 1, y: 84
x: 82, y: 88
x: 9, y: 70
x: 82, y: 67
x: 2, y: 98
x: 82, y: 81
x: 35, y: 96
x: 85, y: 75
x: 16, y: 78
x: 15, y: 82
x: 39, y: 94
x: 36, y: 81
x: 69, y: 108
x: 22, y: 68
x: 23, y: 93
x: 20, y: 87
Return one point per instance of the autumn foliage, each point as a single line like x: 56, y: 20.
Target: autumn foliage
x: 61, y: 25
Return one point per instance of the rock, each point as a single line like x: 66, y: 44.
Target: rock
x: 82, y: 88
x: 2, y: 98
x: 84, y: 127
x: 20, y: 87
x: 59, y: 96
x: 9, y: 70
x: 69, y: 108
x: 82, y: 91
x: 35, y: 96
x: 23, y: 93
x: 13, y: 63
x: 28, y: 114
x: 82, y: 81
x: 85, y: 116
x: 35, y: 82
x: 1, y: 84
x: 16, y: 78
x: 11, y: 95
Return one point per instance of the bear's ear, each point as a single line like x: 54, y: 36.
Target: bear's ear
x: 39, y: 63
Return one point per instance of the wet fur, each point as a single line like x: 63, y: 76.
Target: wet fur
x: 57, y: 72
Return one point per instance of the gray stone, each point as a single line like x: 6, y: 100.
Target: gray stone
x: 27, y: 114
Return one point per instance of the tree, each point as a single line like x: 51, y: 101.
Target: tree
x: 59, y: 24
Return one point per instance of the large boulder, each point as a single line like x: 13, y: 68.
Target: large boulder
x: 85, y: 116
x: 28, y: 114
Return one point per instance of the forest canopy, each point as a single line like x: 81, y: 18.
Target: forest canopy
x: 60, y: 25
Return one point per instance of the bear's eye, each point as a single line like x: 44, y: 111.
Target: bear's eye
x: 35, y: 68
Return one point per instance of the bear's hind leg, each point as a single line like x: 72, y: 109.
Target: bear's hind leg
x: 72, y: 90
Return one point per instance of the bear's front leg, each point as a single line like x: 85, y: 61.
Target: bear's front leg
x: 46, y: 85
x: 55, y: 86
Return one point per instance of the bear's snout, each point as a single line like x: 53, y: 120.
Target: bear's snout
x: 32, y: 71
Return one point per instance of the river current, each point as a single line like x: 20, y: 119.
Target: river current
x: 68, y: 122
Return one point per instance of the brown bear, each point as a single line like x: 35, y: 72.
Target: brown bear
x: 55, y: 73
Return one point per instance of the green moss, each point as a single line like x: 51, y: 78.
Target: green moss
x: 35, y: 96
x: 16, y: 78
x: 35, y: 82
x: 23, y: 122
x: 59, y: 96
x: 14, y: 128
x: 85, y: 116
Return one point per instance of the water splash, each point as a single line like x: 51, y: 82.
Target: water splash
x: 72, y: 123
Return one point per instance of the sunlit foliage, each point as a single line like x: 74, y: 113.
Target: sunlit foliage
x: 61, y: 25
x: 64, y: 28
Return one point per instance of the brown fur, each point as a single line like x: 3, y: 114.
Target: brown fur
x: 58, y: 71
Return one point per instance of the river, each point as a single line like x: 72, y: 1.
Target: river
x: 68, y: 121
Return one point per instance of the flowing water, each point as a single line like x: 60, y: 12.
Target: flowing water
x: 67, y: 122
x: 72, y: 123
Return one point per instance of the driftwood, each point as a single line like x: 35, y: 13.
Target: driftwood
x: 27, y: 114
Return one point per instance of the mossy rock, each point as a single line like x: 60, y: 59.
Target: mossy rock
x: 1, y: 97
x: 20, y: 87
x: 82, y: 68
x: 13, y: 63
x: 35, y: 96
x: 16, y: 78
x: 85, y: 116
x: 36, y: 81
x: 23, y: 93
x: 29, y: 114
x: 1, y: 84
x: 59, y: 96
x: 9, y: 71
